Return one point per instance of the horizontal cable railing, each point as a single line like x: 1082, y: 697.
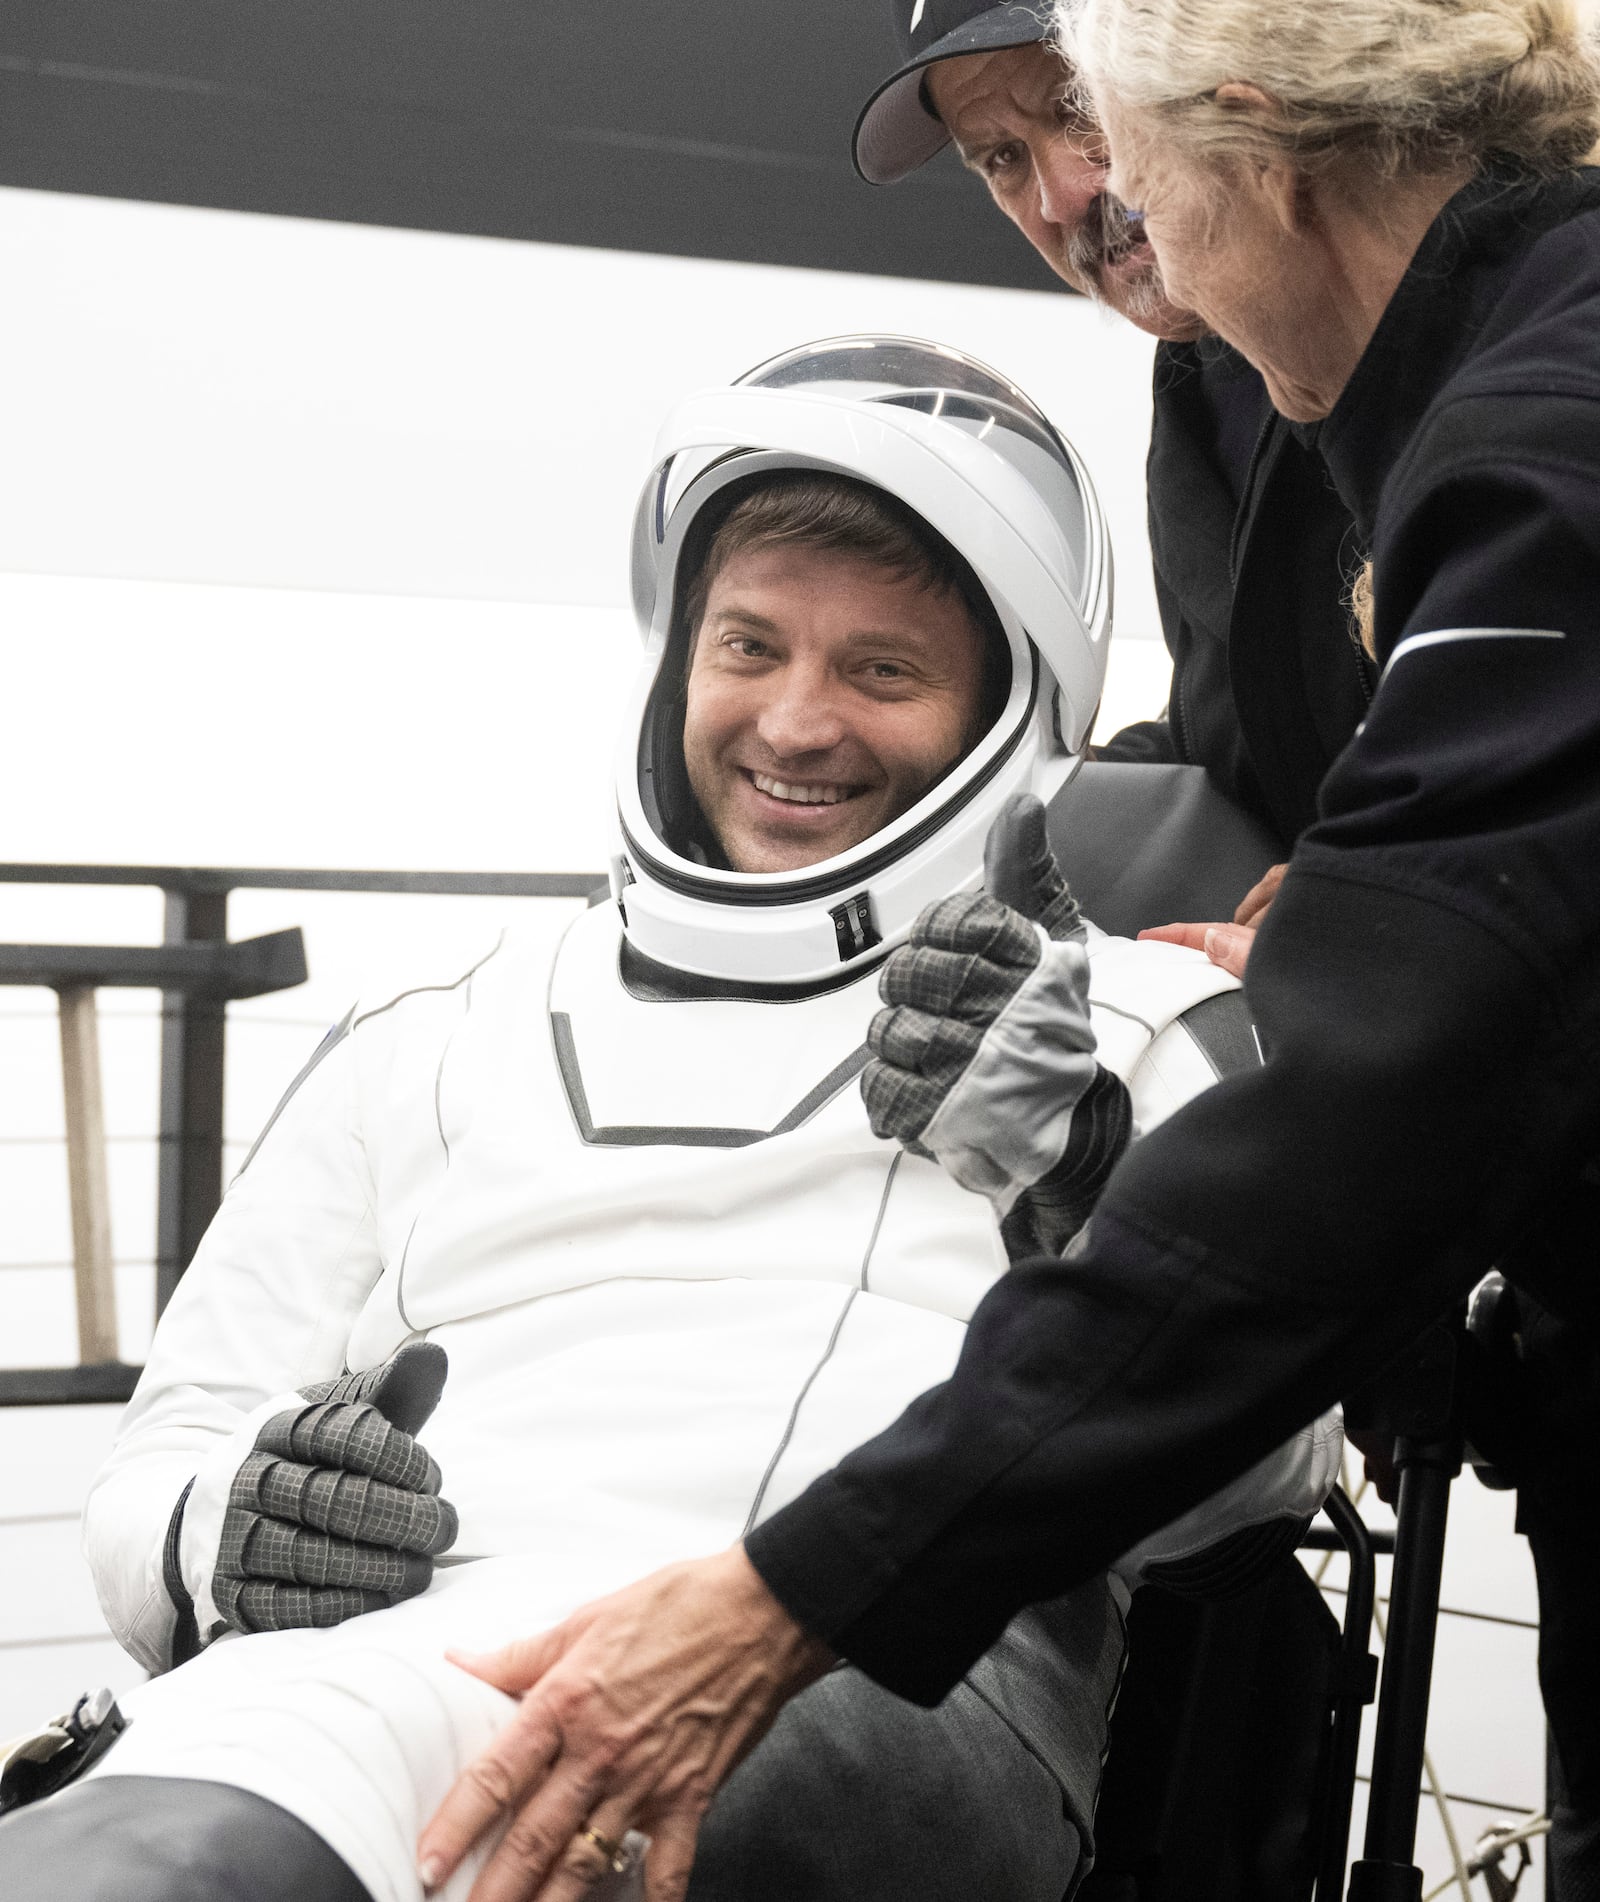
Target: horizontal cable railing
x: 198, y: 969
x: 202, y: 881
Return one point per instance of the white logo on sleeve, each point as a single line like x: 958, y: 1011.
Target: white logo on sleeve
x: 1445, y: 636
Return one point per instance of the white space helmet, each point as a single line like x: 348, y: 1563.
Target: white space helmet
x: 979, y: 463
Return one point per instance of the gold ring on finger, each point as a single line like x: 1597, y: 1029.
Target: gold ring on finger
x: 619, y: 1855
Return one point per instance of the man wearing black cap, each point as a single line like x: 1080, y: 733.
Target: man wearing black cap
x: 1253, y: 550
x: 984, y: 76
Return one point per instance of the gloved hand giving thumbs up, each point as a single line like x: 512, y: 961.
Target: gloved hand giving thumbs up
x: 333, y: 1510
x: 984, y: 1056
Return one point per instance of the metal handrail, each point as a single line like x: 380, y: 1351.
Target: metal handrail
x: 198, y: 967
x: 212, y: 881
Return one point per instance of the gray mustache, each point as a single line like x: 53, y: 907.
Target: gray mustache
x: 1108, y: 233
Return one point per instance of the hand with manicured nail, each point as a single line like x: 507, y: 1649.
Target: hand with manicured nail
x: 983, y: 1056
x: 1228, y: 945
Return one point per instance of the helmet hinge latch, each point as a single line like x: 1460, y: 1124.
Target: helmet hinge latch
x: 853, y: 927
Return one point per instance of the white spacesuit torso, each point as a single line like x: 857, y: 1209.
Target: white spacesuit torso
x: 675, y: 1273
x: 676, y: 1276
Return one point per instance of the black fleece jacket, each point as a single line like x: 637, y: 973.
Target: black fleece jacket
x: 1427, y: 989
x: 1254, y: 551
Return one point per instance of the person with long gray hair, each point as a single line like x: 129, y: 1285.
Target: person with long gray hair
x: 1381, y: 205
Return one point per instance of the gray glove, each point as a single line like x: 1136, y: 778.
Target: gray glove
x: 337, y: 1510
x: 984, y: 1055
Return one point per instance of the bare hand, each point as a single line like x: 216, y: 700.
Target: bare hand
x: 1256, y: 903
x: 633, y: 1714
x: 1226, y: 945
x: 1377, y: 1456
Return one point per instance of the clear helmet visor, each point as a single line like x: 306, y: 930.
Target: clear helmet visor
x: 973, y: 455
x: 961, y: 395
x: 1006, y: 695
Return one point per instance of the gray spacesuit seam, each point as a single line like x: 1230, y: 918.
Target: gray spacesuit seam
x: 419, y: 990
x: 400, y: 1275
x: 1113, y: 1695
x: 971, y: 1684
x: 465, y: 985
x: 687, y: 1136
x: 438, y: 1113
x: 444, y: 1057
x: 883, y: 1204
x: 824, y: 1092
x: 330, y: 1042
x: 1133, y: 1017
x: 1206, y: 1055
x: 370, y: 1707
x: 794, y: 1412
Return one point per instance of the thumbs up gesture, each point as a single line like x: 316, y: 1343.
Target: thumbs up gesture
x: 334, y: 1510
x: 983, y: 1056
x: 1020, y: 870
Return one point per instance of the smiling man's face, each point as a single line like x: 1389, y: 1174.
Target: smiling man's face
x: 1011, y: 118
x: 826, y: 694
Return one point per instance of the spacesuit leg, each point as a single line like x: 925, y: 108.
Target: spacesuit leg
x: 855, y: 1792
x: 166, y: 1839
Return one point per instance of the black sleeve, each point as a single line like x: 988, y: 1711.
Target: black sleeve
x: 1427, y: 988
x: 1145, y: 743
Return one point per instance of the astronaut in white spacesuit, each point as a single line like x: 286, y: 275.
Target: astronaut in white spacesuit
x: 633, y: 1193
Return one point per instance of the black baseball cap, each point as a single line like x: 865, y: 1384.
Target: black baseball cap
x: 898, y: 130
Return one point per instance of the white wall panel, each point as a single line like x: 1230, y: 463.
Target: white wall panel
x: 182, y: 724
x: 280, y: 402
